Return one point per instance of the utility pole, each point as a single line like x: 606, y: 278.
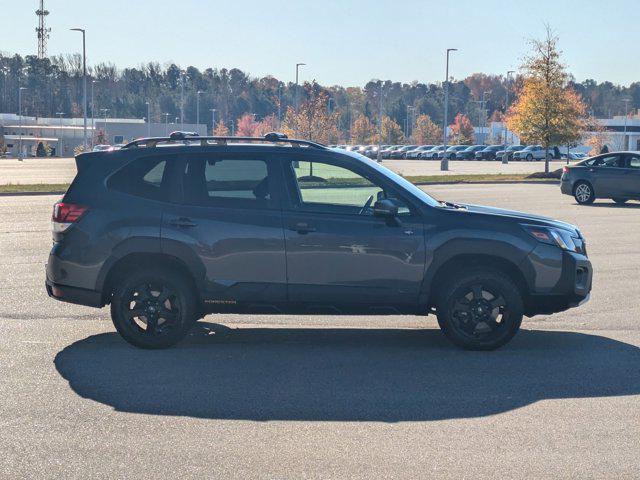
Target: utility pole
x: 444, y: 164
x: 166, y: 124
x: 20, y: 89
x: 93, y: 115
x: 484, y: 117
x: 279, y: 104
x: 104, y: 112
x: 506, y: 104
x: 182, y: 100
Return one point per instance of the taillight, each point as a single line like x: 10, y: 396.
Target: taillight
x: 65, y: 214
x: 565, y: 169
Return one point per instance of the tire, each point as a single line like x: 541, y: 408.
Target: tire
x: 583, y: 193
x: 480, y: 310
x: 620, y: 201
x: 529, y: 158
x: 148, y: 327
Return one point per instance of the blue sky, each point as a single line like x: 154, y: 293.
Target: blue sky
x: 344, y: 42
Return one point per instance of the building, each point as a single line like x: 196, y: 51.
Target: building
x: 63, y: 135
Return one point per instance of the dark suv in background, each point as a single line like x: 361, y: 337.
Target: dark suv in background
x: 166, y: 230
x: 611, y: 175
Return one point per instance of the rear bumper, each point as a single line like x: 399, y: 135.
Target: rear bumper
x: 566, y: 186
x: 79, y: 296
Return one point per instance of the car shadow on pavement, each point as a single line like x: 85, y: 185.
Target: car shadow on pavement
x: 317, y: 374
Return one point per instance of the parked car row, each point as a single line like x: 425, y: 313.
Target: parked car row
x: 452, y: 152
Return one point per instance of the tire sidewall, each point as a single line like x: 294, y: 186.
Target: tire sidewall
x: 591, y: 198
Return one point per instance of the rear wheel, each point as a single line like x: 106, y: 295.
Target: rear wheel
x: 583, y: 193
x: 620, y: 201
x: 153, y: 309
x: 480, y: 310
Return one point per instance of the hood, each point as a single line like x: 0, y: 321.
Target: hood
x: 521, y: 217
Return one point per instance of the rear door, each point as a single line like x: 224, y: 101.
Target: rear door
x: 337, y: 251
x: 607, y: 173
x: 631, y: 183
x: 229, y: 223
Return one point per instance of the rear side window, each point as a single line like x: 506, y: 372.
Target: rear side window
x: 227, y: 182
x: 144, y: 177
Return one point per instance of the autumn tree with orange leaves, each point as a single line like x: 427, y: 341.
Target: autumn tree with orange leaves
x: 461, y: 130
x: 426, y: 132
x: 312, y: 121
x: 547, y: 111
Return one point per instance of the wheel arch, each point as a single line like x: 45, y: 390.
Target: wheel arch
x: 458, y: 263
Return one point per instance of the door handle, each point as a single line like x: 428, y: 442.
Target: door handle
x: 302, y: 228
x: 182, y: 222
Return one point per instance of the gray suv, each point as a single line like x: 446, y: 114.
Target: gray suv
x: 611, y: 175
x: 166, y: 230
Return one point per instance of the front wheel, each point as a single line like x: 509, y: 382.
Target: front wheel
x: 154, y: 308
x: 480, y: 310
x: 583, y: 193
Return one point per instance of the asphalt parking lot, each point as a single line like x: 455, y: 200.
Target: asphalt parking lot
x: 324, y: 397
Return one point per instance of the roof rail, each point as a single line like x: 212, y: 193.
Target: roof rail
x: 191, y: 137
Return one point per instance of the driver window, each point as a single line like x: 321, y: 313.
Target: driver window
x: 609, y: 161
x: 331, y: 188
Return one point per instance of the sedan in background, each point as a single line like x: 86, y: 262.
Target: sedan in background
x: 610, y: 175
x: 401, y: 152
x: 489, y: 152
x: 510, y: 150
x: 452, y: 151
x: 531, y: 153
x: 415, y: 153
x: 469, y: 153
x: 434, y: 153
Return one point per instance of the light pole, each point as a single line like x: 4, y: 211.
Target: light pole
x: 166, y: 124
x: 625, y: 146
x: 484, y: 117
x: 298, y: 65
x: 198, y: 93
x: 379, y: 155
x: 93, y: 115
x: 84, y: 82
x: 60, y: 136
x: 104, y: 126
x: 181, y: 100
x: 444, y: 164
x: 279, y: 104
x: 506, y: 104
x: 20, y: 89
x: 148, y: 118
x: 213, y: 120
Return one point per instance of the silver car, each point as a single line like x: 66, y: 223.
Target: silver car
x: 611, y: 175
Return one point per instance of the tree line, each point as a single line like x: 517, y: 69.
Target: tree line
x: 54, y: 85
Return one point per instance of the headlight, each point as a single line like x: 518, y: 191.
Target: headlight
x: 557, y: 236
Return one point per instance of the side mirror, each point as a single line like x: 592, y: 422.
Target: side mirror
x: 385, y: 209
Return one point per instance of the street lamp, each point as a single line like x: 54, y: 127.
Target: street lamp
x: 104, y: 126
x: 60, y: 136
x: 84, y: 82
x: 93, y: 115
x: 181, y: 100
x: 148, y: 118
x: 484, y: 116
x: 626, y: 101
x: 166, y: 124
x: 198, y: 93
x: 20, y: 89
x: 444, y: 164
x: 298, y: 65
x: 213, y: 120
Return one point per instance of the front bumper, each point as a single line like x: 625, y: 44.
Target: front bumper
x: 561, y: 283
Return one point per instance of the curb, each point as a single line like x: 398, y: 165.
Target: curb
x: 30, y: 194
x: 493, y: 182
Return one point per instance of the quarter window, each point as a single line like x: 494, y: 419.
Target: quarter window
x: 144, y: 177
x: 634, y: 161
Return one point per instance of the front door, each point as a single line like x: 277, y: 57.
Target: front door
x: 229, y: 223
x: 337, y: 251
